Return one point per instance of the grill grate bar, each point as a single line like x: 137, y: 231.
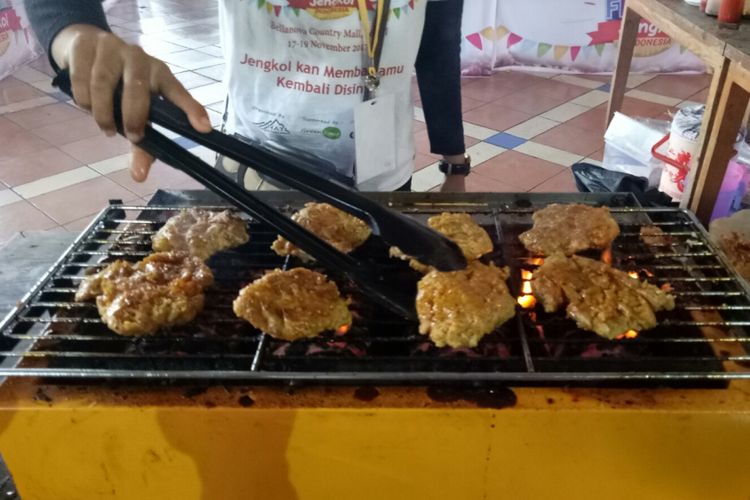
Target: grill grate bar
x: 67, y: 339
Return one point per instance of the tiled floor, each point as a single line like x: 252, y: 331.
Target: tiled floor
x: 523, y: 130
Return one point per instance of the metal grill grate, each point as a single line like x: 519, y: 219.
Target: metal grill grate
x: 702, y: 341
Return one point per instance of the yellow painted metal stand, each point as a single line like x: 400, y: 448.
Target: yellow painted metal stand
x: 325, y: 444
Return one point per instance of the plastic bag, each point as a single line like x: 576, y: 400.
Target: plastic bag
x: 627, y: 147
x: 593, y: 179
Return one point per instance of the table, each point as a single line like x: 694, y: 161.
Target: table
x: 703, y: 36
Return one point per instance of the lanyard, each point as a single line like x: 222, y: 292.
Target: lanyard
x: 374, y: 39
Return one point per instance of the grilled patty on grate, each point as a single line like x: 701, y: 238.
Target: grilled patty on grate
x: 459, y: 228
x: 569, y: 229
x: 292, y: 305
x: 599, y: 298
x: 162, y: 290
x: 341, y: 230
x: 201, y: 233
x: 459, y: 308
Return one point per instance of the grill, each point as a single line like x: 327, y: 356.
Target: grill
x: 702, y: 342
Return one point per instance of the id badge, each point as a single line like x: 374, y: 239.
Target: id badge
x: 375, y: 137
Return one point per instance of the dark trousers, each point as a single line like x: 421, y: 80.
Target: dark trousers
x: 439, y: 76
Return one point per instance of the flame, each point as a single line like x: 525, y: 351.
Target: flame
x: 537, y: 261
x: 607, y: 255
x: 527, y: 301
x: 630, y: 334
x: 343, y: 329
x: 526, y: 275
x: 648, y: 273
x: 633, y: 274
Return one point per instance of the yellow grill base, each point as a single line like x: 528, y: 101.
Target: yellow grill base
x: 90, y: 443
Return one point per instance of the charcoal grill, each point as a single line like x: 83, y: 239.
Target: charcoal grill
x: 701, y: 342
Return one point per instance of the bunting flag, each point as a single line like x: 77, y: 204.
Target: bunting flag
x: 475, y: 40
x: 513, y: 39
x: 599, y: 47
x: 542, y: 49
x: 489, y: 33
x: 500, y: 32
x: 574, y: 51
x: 560, y: 51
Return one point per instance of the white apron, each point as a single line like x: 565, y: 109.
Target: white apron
x: 295, y: 72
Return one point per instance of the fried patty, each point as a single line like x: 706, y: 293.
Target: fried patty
x: 459, y: 308
x: 341, y: 230
x: 164, y: 289
x: 737, y: 249
x: 654, y: 236
x: 569, y: 229
x: 460, y: 228
x: 292, y: 305
x: 599, y: 298
x: 201, y: 233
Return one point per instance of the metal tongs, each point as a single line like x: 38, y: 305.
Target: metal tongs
x: 413, y: 238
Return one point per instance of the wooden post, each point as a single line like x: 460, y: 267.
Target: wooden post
x: 628, y: 34
x: 732, y: 104
x: 709, y: 122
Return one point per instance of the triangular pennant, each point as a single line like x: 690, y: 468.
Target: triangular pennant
x: 599, y: 48
x: 261, y: 3
x: 513, y: 39
x: 277, y: 10
x: 296, y: 11
x: 269, y: 7
x: 500, y: 32
x: 542, y: 49
x: 560, y: 51
x: 488, y: 33
x: 682, y: 49
x: 574, y: 51
x: 475, y: 40
x: 411, y: 4
x: 397, y: 12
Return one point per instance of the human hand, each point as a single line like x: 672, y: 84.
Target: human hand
x: 454, y: 184
x: 98, y: 61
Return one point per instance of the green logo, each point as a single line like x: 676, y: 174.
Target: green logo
x: 331, y: 133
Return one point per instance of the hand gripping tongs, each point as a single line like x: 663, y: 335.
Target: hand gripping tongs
x: 395, y: 229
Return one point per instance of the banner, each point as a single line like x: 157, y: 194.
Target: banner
x: 568, y: 35
x: 18, y: 44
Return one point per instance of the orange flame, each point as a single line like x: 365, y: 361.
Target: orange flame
x: 633, y: 274
x: 630, y: 334
x: 527, y: 301
x: 607, y: 255
x: 537, y: 261
x: 526, y: 275
x: 343, y: 329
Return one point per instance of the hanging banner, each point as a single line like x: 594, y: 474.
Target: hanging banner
x: 18, y: 44
x: 568, y: 35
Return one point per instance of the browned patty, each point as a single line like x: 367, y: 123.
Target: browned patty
x: 201, y: 233
x: 654, y: 236
x: 460, y: 228
x: 599, y: 298
x: 737, y: 249
x: 294, y: 304
x: 162, y: 290
x: 459, y: 308
x: 569, y: 229
x: 341, y: 230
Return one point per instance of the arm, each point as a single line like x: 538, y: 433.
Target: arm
x: 78, y: 38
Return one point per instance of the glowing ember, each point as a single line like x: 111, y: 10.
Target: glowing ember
x: 343, y: 329
x: 536, y: 261
x: 633, y: 274
x: 630, y: 334
x: 607, y: 255
x: 526, y: 288
x: 526, y: 275
x: 527, y: 301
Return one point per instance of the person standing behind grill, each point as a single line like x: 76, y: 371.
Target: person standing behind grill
x: 295, y: 78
